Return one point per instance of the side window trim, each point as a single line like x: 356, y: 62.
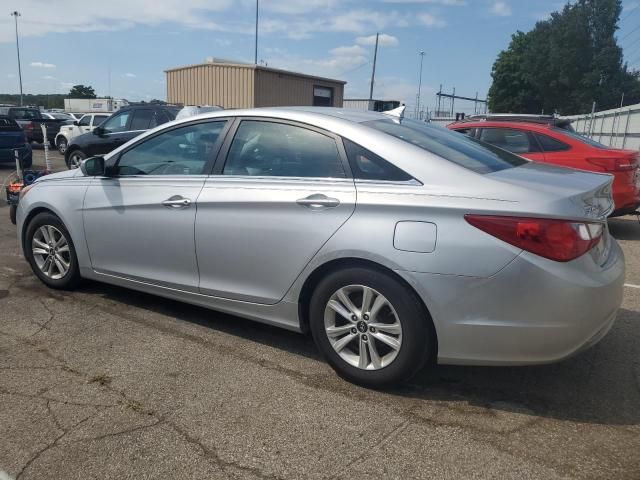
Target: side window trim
x: 112, y: 163
x: 233, y: 130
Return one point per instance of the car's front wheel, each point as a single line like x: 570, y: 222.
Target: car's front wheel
x: 371, y: 328
x: 61, y: 143
x: 75, y: 159
x: 50, y: 252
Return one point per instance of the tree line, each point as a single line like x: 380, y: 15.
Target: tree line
x: 565, y: 63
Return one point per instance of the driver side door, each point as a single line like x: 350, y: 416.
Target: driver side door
x: 139, y: 221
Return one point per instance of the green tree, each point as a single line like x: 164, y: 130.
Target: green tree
x: 82, y: 91
x: 565, y: 63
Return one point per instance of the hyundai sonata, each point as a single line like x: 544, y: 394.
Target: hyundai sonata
x: 393, y: 242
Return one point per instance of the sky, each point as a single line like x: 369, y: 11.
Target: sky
x: 122, y: 47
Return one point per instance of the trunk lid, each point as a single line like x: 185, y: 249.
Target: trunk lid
x: 589, y: 194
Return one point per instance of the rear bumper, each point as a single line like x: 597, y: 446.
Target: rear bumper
x: 534, y: 311
x: 626, y: 198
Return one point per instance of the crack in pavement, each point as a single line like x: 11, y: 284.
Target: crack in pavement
x: 215, y: 457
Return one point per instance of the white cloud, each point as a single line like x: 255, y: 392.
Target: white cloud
x: 500, y: 8
x: 130, y: 75
x: 41, y: 18
x: 48, y: 77
x: 431, y: 20
x: 449, y: 3
x: 384, y: 40
x: 42, y: 65
x: 295, y: 7
x: 353, y: 21
x: 347, y: 51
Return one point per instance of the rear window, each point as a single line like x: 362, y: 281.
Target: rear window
x: 580, y: 138
x: 462, y: 150
x: 8, y: 125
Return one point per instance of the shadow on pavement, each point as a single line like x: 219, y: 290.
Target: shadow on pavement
x: 601, y: 385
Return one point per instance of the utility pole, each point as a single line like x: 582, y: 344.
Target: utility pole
x: 16, y: 14
x: 421, y: 53
x: 373, y: 72
x: 255, y: 58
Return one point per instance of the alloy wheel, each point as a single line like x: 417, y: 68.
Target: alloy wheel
x: 363, y: 327
x: 75, y: 160
x: 51, y: 252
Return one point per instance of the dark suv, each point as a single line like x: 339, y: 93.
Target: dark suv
x: 119, y: 128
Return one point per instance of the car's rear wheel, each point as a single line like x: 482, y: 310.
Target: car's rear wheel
x: 62, y: 145
x: 75, y: 159
x: 50, y: 252
x: 371, y: 328
x: 13, y: 211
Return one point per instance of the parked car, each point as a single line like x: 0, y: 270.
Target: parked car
x: 30, y: 119
x: 392, y: 241
x: 119, y: 128
x: 58, y: 116
x: 12, y: 138
x: 86, y: 124
x: 78, y: 115
x: 548, y: 142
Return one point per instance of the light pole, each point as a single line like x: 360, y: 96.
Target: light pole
x: 16, y: 14
x: 419, y: 84
x: 373, y: 72
x: 255, y: 59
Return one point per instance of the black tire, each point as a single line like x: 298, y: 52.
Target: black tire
x: 61, y: 145
x: 418, y: 335
x: 13, y: 209
x: 79, y: 154
x: 72, y: 277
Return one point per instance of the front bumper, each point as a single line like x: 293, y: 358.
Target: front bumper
x: 533, y: 311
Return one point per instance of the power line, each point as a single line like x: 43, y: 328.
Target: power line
x: 634, y: 9
x: 632, y: 31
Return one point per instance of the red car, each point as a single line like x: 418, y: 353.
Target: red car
x: 551, y: 141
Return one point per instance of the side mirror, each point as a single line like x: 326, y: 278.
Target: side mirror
x: 93, y: 167
x: 99, y: 131
x: 76, y: 123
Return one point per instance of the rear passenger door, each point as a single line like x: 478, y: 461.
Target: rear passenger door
x: 520, y: 142
x: 279, y: 191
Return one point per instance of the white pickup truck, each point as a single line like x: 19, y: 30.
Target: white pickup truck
x: 87, y: 123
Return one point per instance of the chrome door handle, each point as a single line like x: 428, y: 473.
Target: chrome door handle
x: 318, y: 200
x: 177, y: 202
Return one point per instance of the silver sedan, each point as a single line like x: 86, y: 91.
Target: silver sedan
x: 393, y: 242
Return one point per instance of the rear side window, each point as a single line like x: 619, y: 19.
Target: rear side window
x: 514, y: 141
x: 8, y: 125
x: 580, y: 138
x: 98, y: 119
x: 366, y: 165
x: 24, y: 113
x: 549, y: 144
x: 459, y: 149
x: 266, y: 149
x: 142, y: 119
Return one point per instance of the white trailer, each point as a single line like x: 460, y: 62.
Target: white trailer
x: 91, y: 105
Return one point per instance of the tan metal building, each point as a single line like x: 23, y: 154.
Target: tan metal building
x: 240, y: 85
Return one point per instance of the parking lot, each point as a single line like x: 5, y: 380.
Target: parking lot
x: 110, y: 383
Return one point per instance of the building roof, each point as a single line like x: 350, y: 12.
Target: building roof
x: 231, y: 63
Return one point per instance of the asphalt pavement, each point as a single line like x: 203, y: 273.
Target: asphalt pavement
x: 107, y: 383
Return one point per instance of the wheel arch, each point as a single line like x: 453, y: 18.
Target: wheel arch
x: 30, y: 216
x: 309, y: 285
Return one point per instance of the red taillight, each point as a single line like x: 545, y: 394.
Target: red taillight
x: 559, y: 240
x: 28, y: 126
x: 614, y: 164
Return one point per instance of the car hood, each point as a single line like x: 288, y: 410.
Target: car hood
x: 61, y: 175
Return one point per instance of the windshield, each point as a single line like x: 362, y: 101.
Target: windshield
x: 580, y: 138
x: 455, y: 147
